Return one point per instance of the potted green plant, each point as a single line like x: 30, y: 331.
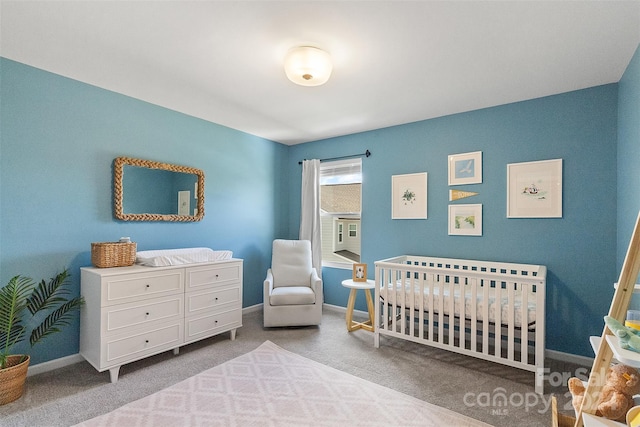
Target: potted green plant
x: 30, y: 309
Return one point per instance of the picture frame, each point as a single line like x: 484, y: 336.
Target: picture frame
x: 465, y: 220
x: 534, y: 189
x: 409, y: 196
x: 359, y: 273
x: 465, y: 168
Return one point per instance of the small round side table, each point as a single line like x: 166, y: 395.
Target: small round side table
x: 366, y: 287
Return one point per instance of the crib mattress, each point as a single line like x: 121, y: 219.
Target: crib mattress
x: 492, y: 302
x: 164, y: 257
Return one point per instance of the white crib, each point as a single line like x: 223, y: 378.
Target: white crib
x: 489, y: 310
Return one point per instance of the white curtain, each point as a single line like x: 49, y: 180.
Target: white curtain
x: 310, y: 210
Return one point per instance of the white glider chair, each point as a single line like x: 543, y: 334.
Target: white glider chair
x: 292, y: 289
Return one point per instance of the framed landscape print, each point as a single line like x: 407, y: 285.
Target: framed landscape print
x: 534, y: 189
x: 465, y: 220
x: 409, y: 196
x: 465, y: 168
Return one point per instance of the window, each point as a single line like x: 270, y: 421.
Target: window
x: 340, y: 210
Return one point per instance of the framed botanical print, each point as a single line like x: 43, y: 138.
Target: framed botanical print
x: 409, y: 196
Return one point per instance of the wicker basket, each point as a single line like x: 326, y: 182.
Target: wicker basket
x: 113, y: 254
x: 12, y: 379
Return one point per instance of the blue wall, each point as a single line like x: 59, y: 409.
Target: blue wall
x: 628, y: 157
x: 59, y: 139
x: 578, y: 249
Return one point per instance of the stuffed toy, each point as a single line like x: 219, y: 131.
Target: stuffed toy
x: 616, y: 396
x: 628, y: 338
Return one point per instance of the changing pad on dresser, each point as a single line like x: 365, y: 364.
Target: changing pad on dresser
x: 164, y: 257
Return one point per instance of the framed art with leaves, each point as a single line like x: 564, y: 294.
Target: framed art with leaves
x: 409, y: 196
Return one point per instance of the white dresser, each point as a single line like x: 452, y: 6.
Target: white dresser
x: 135, y: 312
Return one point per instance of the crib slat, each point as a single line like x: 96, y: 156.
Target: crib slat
x: 524, y: 322
x: 384, y: 285
x: 403, y: 302
x: 440, y: 308
x: 539, y: 335
x: 392, y: 298
x: 474, y: 314
x: 412, y: 304
x: 485, y: 316
x: 432, y: 291
x: 451, y: 311
x: 423, y: 287
x: 511, y: 339
x: 462, y: 319
x: 497, y: 324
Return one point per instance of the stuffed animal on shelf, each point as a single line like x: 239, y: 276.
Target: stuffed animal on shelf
x: 616, y: 396
x: 628, y: 338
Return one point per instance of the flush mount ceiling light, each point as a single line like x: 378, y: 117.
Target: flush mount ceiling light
x: 308, y: 66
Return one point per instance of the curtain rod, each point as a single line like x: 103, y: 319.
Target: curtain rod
x: 366, y: 154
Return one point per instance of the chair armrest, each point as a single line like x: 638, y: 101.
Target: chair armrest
x: 316, y: 284
x: 268, y: 285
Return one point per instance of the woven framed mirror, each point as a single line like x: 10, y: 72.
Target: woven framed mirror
x: 145, y: 190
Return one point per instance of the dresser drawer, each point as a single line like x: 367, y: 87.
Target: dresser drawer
x: 125, y: 348
x: 211, y: 276
x: 138, y: 314
x: 136, y: 287
x: 209, y: 324
x: 211, y: 299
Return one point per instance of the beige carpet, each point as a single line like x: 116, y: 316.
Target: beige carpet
x: 270, y: 386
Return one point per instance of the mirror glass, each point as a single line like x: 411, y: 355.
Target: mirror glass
x: 145, y: 190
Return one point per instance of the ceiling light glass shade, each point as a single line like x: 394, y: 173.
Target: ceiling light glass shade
x: 308, y: 66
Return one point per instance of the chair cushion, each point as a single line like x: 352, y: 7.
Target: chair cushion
x: 291, y: 263
x: 292, y: 295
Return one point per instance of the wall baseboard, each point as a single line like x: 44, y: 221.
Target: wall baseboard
x: 252, y: 309
x: 54, y: 364
x: 569, y: 357
x: 77, y: 358
x: 61, y: 362
x: 340, y: 309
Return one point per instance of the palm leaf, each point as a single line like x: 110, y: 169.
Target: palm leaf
x: 62, y: 316
x: 48, y: 295
x: 13, y: 302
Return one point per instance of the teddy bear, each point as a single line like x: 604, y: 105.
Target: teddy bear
x: 616, y: 396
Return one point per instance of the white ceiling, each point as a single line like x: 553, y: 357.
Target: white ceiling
x: 395, y: 62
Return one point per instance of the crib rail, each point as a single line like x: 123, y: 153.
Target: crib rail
x: 489, y: 310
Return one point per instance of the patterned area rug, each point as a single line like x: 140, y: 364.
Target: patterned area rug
x: 270, y: 386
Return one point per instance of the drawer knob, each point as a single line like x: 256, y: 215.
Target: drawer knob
x: 146, y: 341
x: 147, y: 313
x: 148, y: 286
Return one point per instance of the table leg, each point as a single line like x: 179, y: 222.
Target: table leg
x: 350, y: 304
x: 367, y: 293
x: 367, y: 325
